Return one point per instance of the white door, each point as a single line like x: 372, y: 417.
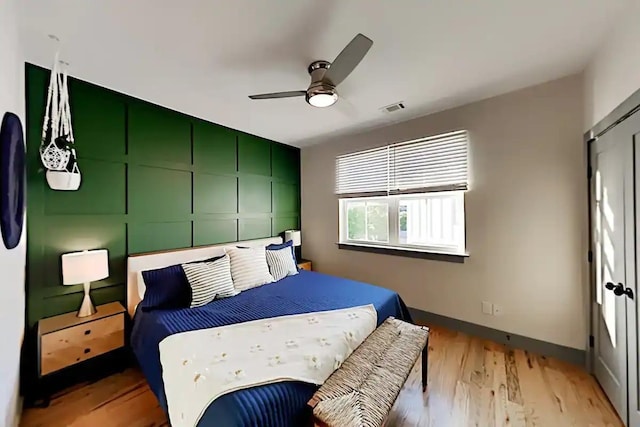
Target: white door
x: 611, y: 157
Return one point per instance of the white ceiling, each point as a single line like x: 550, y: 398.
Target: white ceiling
x: 204, y: 57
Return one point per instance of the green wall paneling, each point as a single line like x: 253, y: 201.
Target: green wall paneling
x: 286, y: 163
x: 159, y: 193
x: 215, y: 193
x: 254, y: 194
x: 149, y: 237
x: 152, y: 179
x: 282, y: 223
x: 254, y: 155
x: 106, y: 178
x: 214, y: 148
x: 285, y: 197
x: 156, y: 133
x: 99, y: 118
x: 254, y: 228
x: 212, y: 231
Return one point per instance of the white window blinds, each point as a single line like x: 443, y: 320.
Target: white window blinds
x: 364, y: 172
x: 435, y: 163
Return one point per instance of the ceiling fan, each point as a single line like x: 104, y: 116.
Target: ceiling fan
x: 325, y: 75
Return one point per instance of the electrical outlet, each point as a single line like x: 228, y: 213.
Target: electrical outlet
x: 487, y: 307
x: 497, y: 310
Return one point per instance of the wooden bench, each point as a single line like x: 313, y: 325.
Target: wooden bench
x: 363, y: 390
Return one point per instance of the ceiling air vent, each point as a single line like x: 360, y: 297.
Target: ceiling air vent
x: 393, y: 107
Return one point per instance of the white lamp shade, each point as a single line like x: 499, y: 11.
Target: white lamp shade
x: 294, y: 236
x: 84, y: 267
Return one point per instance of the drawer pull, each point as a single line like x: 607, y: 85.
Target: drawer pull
x: 87, y: 350
x: 87, y: 332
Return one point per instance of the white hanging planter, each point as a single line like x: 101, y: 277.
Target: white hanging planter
x: 63, y: 180
x: 57, y: 151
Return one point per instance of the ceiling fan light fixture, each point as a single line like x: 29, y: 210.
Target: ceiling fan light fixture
x: 325, y: 75
x: 322, y: 100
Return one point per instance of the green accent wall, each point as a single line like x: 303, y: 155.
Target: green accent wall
x: 152, y: 179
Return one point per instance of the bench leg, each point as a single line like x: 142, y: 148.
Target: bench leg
x: 425, y: 365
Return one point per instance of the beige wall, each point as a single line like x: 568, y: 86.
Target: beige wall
x: 526, y: 216
x: 614, y: 72
x: 12, y: 263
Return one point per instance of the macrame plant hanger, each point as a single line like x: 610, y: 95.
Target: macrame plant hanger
x: 57, y: 150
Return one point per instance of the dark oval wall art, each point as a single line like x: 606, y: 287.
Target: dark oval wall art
x: 12, y: 180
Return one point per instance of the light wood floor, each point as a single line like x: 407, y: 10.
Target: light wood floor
x: 472, y: 382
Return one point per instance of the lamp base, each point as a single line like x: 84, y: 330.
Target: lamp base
x: 86, y: 308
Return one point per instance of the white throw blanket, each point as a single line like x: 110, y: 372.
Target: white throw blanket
x: 200, y: 366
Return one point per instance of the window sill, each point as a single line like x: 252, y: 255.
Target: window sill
x: 405, y: 252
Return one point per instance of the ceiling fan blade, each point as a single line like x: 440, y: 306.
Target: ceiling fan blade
x: 348, y: 59
x: 289, y: 94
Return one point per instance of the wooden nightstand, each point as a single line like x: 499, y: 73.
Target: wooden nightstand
x: 66, y: 340
x: 304, y: 264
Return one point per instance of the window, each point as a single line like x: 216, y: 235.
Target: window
x: 408, y: 195
x: 420, y: 221
x: 367, y: 220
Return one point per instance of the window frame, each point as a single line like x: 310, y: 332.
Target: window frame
x: 393, y: 203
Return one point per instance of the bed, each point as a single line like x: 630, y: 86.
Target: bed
x: 279, y: 404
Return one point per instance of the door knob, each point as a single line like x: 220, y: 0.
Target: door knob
x: 617, y: 289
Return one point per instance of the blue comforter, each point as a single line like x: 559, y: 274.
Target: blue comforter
x: 280, y: 404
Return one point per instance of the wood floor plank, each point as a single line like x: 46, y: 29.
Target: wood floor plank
x: 513, y: 382
x: 543, y: 408
x: 495, y: 360
x: 472, y: 382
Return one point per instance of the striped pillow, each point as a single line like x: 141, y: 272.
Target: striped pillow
x: 209, y: 280
x: 249, y: 268
x: 281, y: 263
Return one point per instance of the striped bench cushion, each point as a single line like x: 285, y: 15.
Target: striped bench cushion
x: 363, y: 390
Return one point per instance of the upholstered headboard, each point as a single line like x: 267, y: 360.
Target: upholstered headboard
x: 152, y: 260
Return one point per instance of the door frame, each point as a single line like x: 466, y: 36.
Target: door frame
x: 625, y: 110
x: 590, y: 294
x: 614, y: 381
x: 633, y: 408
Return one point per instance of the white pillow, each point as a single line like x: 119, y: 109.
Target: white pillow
x: 281, y: 263
x: 209, y: 280
x: 249, y: 268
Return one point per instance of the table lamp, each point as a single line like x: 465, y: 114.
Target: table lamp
x: 85, y: 267
x: 296, y: 237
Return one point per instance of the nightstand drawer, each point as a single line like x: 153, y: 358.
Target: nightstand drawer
x: 69, y: 346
